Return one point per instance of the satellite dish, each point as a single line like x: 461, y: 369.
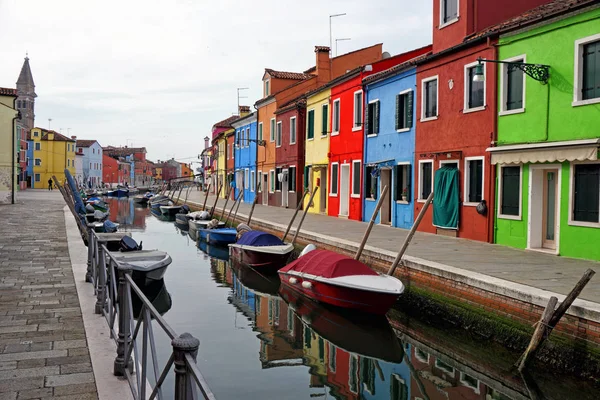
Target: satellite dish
x: 385, y: 55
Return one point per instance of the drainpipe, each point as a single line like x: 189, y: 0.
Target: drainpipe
x: 494, y: 139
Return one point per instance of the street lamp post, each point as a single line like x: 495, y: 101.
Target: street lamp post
x: 330, y: 37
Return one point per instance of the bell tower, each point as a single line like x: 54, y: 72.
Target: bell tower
x: 26, y: 99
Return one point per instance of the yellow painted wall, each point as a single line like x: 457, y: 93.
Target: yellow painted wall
x: 316, y: 150
x: 221, y: 167
x: 55, y: 156
x: 7, y: 132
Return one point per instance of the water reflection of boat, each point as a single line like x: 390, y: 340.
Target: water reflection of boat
x: 219, y: 252
x: 157, y: 293
x: 362, y: 334
x: 254, y: 280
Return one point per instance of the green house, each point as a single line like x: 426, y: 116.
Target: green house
x: 546, y: 154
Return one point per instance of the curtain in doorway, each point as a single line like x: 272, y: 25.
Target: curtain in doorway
x: 446, y: 198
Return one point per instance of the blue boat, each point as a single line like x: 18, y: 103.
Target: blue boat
x: 122, y: 192
x: 219, y: 236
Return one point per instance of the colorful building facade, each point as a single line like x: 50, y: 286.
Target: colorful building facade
x: 245, y: 150
x: 26, y: 107
x: 88, y: 163
x: 546, y: 158
x: 219, y: 165
x: 8, y: 156
x: 52, y: 153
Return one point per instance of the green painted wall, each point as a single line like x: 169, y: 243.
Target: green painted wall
x: 552, y: 44
x: 550, y: 116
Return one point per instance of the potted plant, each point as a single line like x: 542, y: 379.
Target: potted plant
x: 404, y: 194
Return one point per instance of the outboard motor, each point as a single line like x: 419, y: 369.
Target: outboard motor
x: 185, y: 209
x: 204, y: 215
x: 109, y: 227
x: 128, y: 244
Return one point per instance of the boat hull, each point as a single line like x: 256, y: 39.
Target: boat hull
x: 262, y: 261
x: 169, y: 210
x: 218, y: 236
x: 340, y: 296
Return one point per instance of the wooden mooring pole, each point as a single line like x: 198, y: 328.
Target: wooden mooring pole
x: 232, y: 207
x: 212, y: 210
x: 370, y: 226
x: 252, y: 209
x: 411, y: 233
x: 550, y: 319
x: 206, y: 197
x: 295, y: 214
x: 227, y: 201
x: 240, y: 198
x: 312, y: 196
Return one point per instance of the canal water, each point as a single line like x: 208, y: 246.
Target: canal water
x: 258, y: 343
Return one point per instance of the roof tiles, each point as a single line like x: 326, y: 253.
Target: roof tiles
x: 287, y: 75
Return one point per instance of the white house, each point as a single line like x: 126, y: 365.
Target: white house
x: 88, y: 163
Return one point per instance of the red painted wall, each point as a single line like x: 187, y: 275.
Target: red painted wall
x: 110, y: 169
x: 292, y: 154
x: 458, y: 134
x: 491, y: 12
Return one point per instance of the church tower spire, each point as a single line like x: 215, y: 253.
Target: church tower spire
x: 26, y: 99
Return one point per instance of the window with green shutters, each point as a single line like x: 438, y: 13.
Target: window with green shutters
x: 591, y: 71
x: 260, y: 131
x: 277, y: 181
x: 310, y: 125
x: 356, y: 177
x: 333, y: 186
x: 401, y: 182
x: 510, y: 190
x: 425, y: 179
x: 474, y: 182
x: 372, y: 118
x: 514, y: 87
x: 325, y: 120
x: 272, y: 130
x: 430, y: 98
x: 404, y: 110
x: 398, y: 388
x: 586, y: 204
x: 292, y: 179
x: 370, y: 183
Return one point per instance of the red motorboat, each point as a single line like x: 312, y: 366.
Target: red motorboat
x: 261, y: 250
x: 332, y: 278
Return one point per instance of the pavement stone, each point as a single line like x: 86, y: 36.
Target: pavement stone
x: 43, y: 351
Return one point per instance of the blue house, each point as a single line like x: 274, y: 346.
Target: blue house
x: 385, y: 380
x: 245, y: 156
x: 30, y: 160
x: 390, y: 144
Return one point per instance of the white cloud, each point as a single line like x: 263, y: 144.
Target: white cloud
x: 161, y: 72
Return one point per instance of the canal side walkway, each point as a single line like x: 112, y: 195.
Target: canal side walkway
x: 44, y: 351
x: 527, y: 275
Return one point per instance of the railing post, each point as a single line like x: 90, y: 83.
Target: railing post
x: 100, y: 281
x: 183, y: 344
x: 88, y: 274
x: 124, y: 338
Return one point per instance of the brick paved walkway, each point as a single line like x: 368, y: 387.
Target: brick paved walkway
x: 43, y: 348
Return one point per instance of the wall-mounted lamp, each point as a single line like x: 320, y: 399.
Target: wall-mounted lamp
x: 539, y: 72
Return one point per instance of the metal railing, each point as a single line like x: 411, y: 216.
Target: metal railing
x: 113, y: 287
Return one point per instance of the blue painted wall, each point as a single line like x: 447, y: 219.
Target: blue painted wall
x: 398, y: 373
x: 30, y: 162
x: 390, y: 144
x: 245, y: 157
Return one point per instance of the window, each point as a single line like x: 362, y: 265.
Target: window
x: 404, y: 110
x: 37, y: 177
x: 279, y: 134
x: 325, y: 120
x: 252, y: 181
x: 356, y: 178
x: 292, y: 179
x: 398, y: 388
x: 370, y: 182
x: 353, y: 374
x: 513, y: 87
x: 260, y: 131
x: 372, y: 117
x: 38, y: 162
x: 332, y: 352
x: 246, y: 178
x: 272, y: 130
x: 474, y: 91
x: 587, y: 71
x: 402, y: 182
x: 277, y: 181
x: 293, y: 130
x: 68, y: 163
x: 259, y: 187
x: 425, y: 179
x: 473, y: 180
x: 247, y: 137
x: 333, y: 187
x: 38, y: 146
x: 336, y: 117
x: 310, y: 125
x: 272, y: 180
x: 510, y: 191
x: 429, y: 98
x: 267, y: 87
x: 586, y: 196
x: 358, y: 109
x: 448, y: 11
x: 228, y: 151
x: 35, y: 134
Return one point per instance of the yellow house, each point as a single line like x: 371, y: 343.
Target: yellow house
x: 221, y: 167
x: 8, y: 154
x: 52, y: 154
x: 158, y: 174
x: 317, y: 147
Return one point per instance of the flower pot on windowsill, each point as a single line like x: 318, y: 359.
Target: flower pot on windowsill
x: 404, y: 198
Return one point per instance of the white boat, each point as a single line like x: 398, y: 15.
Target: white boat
x: 169, y: 209
x: 146, y: 264
x: 197, y: 224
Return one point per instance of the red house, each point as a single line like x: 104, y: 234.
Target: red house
x: 456, y: 118
x: 346, y: 144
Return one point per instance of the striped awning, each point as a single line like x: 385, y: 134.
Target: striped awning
x: 572, y: 150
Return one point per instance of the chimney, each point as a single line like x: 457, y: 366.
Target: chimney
x: 323, y: 64
x: 243, y: 110
x: 206, y: 139
x: 74, y: 137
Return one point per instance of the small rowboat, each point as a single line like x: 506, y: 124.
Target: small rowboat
x: 169, y: 209
x: 341, y: 281
x: 261, y: 250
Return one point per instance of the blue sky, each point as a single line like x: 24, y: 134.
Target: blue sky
x: 160, y: 73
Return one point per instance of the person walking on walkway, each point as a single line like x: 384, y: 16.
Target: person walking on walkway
x: 50, y: 184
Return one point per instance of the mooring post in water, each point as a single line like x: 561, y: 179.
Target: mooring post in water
x: 411, y: 233
x: 295, y: 214
x: 312, y: 196
x: 370, y: 226
x: 206, y: 197
x: 226, y: 201
x: 212, y: 210
x: 550, y: 319
x: 252, y: 209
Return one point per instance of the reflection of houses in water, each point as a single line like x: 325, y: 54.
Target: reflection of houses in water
x: 124, y: 212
